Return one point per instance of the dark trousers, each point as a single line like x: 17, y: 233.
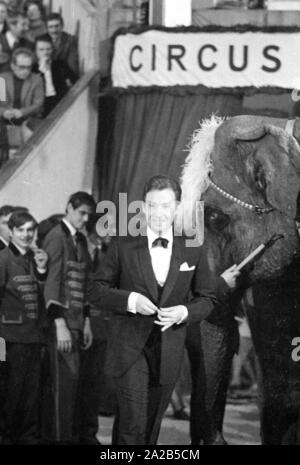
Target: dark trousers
x: 89, y: 391
x: 141, y: 404
x: 20, y: 394
x: 60, y: 383
x: 210, y: 349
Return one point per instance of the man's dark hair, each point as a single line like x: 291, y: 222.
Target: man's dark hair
x: 13, y: 15
x: 82, y: 198
x: 21, y: 209
x: 21, y: 51
x: 40, y: 6
x: 160, y: 183
x: 6, y: 210
x: 45, y: 226
x: 55, y: 17
x: 19, y: 218
x: 44, y: 38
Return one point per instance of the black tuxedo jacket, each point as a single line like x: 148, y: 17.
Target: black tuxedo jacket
x: 127, y: 268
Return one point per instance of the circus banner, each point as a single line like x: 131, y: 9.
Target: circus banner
x: 213, y: 59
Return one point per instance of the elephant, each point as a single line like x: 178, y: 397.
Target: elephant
x: 246, y: 169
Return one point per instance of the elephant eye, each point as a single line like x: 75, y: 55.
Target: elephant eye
x: 215, y: 219
x: 259, y: 177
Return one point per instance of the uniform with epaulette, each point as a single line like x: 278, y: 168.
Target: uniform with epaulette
x: 64, y: 293
x: 21, y: 326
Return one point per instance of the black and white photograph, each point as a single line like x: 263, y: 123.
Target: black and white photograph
x: 149, y: 226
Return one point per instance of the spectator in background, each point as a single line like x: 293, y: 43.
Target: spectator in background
x: 25, y: 98
x: 3, y: 17
x: 65, y: 45
x: 57, y: 76
x: 5, y: 233
x: 35, y: 13
x: 14, y: 38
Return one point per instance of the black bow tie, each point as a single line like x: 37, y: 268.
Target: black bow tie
x: 160, y: 242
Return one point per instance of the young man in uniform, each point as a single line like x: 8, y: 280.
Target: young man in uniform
x: 65, y: 298
x: 21, y: 321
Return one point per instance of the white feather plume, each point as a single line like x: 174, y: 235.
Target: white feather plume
x: 197, y: 167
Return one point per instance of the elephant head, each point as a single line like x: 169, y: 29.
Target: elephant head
x: 234, y: 166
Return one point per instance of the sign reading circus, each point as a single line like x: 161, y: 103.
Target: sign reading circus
x: 215, y: 60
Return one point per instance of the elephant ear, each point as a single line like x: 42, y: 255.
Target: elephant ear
x: 215, y: 219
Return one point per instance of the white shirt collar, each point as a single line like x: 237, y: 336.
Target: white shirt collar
x: 70, y: 227
x: 20, y: 249
x: 11, y: 39
x: 4, y: 241
x: 152, y: 236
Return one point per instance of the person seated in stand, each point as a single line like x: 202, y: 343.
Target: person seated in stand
x: 22, y: 269
x: 65, y: 45
x: 24, y: 98
x: 3, y: 17
x: 14, y: 38
x: 57, y: 76
x: 35, y: 13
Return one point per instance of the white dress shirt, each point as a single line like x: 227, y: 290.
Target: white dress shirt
x: 49, y: 85
x: 160, y: 256
x: 71, y: 228
x: 160, y: 259
x: 11, y: 39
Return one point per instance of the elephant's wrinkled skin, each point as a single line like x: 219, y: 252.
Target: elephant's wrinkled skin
x: 255, y: 160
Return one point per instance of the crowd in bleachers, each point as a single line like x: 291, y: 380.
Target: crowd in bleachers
x: 38, y: 65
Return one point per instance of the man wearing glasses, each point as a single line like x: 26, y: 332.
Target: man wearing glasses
x: 24, y: 95
x: 153, y: 285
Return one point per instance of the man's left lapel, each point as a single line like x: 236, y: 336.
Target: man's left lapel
x: 173, y: 271
x: 25, y: 90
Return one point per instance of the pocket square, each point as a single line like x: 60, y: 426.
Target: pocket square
x: 186, y: 267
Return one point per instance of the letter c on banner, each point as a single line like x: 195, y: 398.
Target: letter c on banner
x: 132, y: 66
x: 201, y: 64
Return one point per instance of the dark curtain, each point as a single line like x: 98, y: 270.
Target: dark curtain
x: 142, y: 134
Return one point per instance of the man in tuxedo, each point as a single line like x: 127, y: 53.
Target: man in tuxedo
x: 153, y: 285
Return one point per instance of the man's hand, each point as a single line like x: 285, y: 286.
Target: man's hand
x: 167, y: 317
x: 230, y: 276
x: 17, y: 113
x: 144, y: 306
x: 8, y: 114
x: 41, y: 258
x: 87, y: 334
x: 63, y: 336
x: 44, y: 65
